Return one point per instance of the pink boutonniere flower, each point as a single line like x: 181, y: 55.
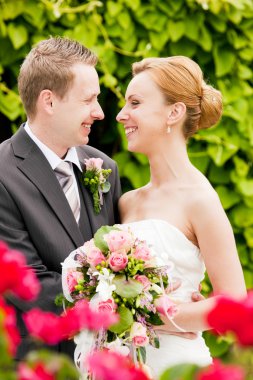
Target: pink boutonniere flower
x: 95, y: 179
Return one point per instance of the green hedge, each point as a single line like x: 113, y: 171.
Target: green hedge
x: 218, y: 34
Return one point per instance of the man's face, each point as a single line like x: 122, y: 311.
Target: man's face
x: 74, y: 115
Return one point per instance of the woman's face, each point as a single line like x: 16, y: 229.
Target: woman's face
x: 144, y: 115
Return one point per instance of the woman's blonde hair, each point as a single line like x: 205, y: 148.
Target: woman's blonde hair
x: 48, y: 66
x: 181, y: 80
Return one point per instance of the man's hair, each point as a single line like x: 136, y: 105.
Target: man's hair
x: 49, y: 66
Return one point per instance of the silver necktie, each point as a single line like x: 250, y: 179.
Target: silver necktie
x: 65, y: 177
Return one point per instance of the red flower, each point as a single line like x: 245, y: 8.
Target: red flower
x: 9, y: 327
x: 107, y: 365
x: 217, y: 371
x: 52, y: 329
x: 22, y: 281
x: 235, y: 316
x: 39, y: 372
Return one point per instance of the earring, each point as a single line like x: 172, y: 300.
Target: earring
x: 168, y: 129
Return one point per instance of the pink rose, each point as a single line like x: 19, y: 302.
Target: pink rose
x: 109, y: 306
x: 118, y: 240
x: 144, y: 281
x: 93, y: 254
x: 118, y: 261
x: 138, y: 335
x: 165, y: 306
x: 142, y: 252
x: 73, y: 277
x: 93, y: 163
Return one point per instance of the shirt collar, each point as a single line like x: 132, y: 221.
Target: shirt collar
x: 52, y: 157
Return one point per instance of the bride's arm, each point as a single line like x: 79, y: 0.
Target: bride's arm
x: 217, y: 245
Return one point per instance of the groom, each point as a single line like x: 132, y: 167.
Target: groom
x: 59, y: 88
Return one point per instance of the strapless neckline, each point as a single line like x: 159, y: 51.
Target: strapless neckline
x: 165, y: 222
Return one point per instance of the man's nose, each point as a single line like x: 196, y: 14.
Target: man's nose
x: 98, y: 113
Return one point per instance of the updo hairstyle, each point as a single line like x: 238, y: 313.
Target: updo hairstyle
x: 181, y: 80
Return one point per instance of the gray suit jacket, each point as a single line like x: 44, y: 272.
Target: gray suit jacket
x: 36, y: 219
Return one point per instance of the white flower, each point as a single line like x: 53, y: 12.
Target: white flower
x: 116, y: 346
x: 105, y: 286
x: 156, y: 288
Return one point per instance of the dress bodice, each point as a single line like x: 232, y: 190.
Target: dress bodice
x: 171, y: 245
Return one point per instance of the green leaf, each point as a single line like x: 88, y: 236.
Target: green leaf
x: 245, y: 186
x: 220, y: 153
x: 99, y: 237
x: 158, y: 40
x: 124, y: 20
x: 176, y: 29
x: 228, y: 197
x: 114, y: 8
x: 224, y: 59
x: 85, y: 33
x: 241, y: 167
x: 205, y: 40
x: 125, y: 321
x: 143, y: 354
x: 181, y: 371
x: 217, y: 345
x: 18, y: 35
x: 184, y: 45
x: 127, y: 288
x: 155, y: 319
x: 248, y: 234
x: 242, y: 216
x: 218, y: 175
x: 10, y: 105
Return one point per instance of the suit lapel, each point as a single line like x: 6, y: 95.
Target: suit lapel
x: 36, y: 167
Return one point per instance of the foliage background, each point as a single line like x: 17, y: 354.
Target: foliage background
x: 218, y: 34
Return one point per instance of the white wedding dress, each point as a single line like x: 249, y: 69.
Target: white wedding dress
x: 171, y: 245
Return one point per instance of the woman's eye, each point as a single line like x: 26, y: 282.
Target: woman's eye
x: 135, y: 102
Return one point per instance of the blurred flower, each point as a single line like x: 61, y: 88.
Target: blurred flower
x: 218, y: 371
x: 38, y: 372
x: 107, y: 365
x: 138, y: 335
x: 22, y: 281
x: 52, y: 329
x: 231, y: 315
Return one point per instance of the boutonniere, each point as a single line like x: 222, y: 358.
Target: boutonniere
x: 95, y: 179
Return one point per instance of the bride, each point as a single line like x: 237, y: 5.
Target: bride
x: 178, y: 211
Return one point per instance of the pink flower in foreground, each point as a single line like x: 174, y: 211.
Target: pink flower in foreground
x: 43, y: 325
x: 165, y: 306
x: 93, y: 254
x: 107, y: 365
x: 8, y: 323
x: 52, y: 329
x: 138, y: 335
x: 144, y: 281
x: 38, y: 372
x: 72, y: 279
x: 107, y: 306
x: 22, y: 281
x: 142, y: 252
x: 119, y: 240
x: 118, y: 261
x: 218, y: 371
x: 93, y: 163
x: 233, y: 315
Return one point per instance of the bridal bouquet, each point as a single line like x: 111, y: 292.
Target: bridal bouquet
x: 118, y: 272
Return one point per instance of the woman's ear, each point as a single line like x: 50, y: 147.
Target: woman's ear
x: 45, y: 101
x: 176, y: 113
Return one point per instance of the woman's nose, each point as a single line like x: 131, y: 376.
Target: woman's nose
x: 121, y: 116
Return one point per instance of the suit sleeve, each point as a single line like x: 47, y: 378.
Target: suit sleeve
x: 13, y: 231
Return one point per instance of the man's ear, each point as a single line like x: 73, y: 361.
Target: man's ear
x: 176, y: 113
x: 45, y: 101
